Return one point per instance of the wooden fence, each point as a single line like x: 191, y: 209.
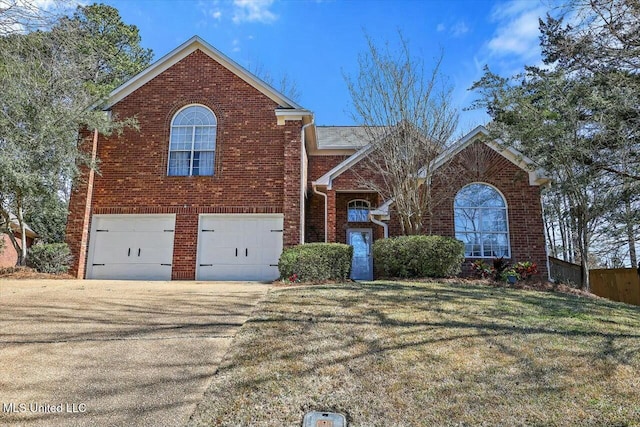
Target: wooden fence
x: 617, y: 284
x: 565, y: 272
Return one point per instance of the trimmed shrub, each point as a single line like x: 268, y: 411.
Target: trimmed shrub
x: 316, y: 261
x: 418, y: 256
x: 49, y: 257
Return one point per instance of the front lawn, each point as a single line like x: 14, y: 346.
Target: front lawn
x: 408, y: 354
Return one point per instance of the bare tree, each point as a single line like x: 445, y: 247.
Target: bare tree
x: 23, y: 16
x: 407, y: 117
x: 283, y: 84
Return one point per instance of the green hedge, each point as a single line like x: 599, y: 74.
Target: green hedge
x: 49, y: 257
x: 418, y: 256
x: 316, y: 261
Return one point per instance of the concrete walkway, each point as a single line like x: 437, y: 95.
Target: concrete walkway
x: 113, y: 353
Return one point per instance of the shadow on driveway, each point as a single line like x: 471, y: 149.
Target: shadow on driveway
x: 113, y: 353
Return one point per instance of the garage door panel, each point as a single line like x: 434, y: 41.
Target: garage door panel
x: 132, y: 247
x: 112, y: 223
x: 155, y: 225
x: 153, y: 247
x: 240, y: 247
x: 113, y: 247
x: 132, y: 272
x: 234, y: 272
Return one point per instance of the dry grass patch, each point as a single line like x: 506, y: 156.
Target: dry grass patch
x: 28, y: 273
x: 407, y: 354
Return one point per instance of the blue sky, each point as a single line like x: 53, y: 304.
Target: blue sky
x: 315, y: 42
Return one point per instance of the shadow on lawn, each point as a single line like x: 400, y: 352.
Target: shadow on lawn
x: 495, y: 320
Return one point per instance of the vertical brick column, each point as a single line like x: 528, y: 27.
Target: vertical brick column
x: 183, y: 266
x: 79, y: 220
x: 331, y: 216
x: 292, y: 175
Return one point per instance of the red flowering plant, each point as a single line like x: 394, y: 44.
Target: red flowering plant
x: 526, y: 269
x: 482, y: 269
x: 294, y: 278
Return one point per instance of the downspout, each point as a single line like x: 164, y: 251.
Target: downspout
x: 384, y: 225
x: 303, y: 177
x: 546, y: 245
x: 326, y: 231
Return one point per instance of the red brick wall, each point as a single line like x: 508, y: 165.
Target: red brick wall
x: 8, y: 255
x: 524, y: 210
x: 256, y: 164
x: 314, y: 204
x: 477, y: 163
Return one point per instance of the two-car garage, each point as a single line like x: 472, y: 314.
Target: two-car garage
x: 228, y: 247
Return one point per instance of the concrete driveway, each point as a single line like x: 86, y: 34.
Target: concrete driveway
x: 113, y: 353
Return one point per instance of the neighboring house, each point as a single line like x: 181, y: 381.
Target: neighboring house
x: 225, y: 171
x: 8, y: 255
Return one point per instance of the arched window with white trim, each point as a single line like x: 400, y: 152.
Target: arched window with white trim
x: 358, y: 211
x: 192, y: 143
x: 480, y: 215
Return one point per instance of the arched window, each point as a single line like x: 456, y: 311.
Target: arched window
x: 480, y: 214
x: 192, y: 144
x: 358, y: 211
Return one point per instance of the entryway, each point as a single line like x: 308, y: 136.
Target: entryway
x: 362, y: 263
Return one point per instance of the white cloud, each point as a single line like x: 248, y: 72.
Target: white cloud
x: 253, y: 11
x: 517, y: 29
x: 235, y: 45
x: 215, y: 14
x: 459, y: 28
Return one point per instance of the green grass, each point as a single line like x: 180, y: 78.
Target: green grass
x: 403, y: 354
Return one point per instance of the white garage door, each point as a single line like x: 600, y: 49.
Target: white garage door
x: 137, y: 247
x: 239, y: 247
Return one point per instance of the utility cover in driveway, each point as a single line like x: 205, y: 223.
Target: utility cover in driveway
x: 324, y: 419
x: 133, y: 247
x: 239, y: 247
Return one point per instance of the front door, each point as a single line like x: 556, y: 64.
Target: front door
x: 362, y: 262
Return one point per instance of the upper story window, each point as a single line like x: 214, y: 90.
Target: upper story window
x: 192, y: 144
x: 358, y: 211
x: 480, y: 214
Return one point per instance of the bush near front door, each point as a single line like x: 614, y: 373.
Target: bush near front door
x: 316, y: 262
x: 418, y: 256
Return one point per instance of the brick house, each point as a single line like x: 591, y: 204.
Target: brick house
x: 8, y: 254
x: 224, y: 172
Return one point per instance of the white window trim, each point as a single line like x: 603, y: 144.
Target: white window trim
x: 193, y: 137
x: 368, y: 204
x: 506, y: 211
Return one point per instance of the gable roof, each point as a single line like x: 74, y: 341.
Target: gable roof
x: 181, y: 52
x: 537, y: 176
x: 357, y: 133
x: 345, y: 165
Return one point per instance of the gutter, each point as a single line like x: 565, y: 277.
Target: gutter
x: 384, y: 225
x: 315, y: 190
x: 303, y: 178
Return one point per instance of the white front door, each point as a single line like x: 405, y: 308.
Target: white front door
x: 362, y: 262
x: 133, y: 247
x: 239, y: 247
